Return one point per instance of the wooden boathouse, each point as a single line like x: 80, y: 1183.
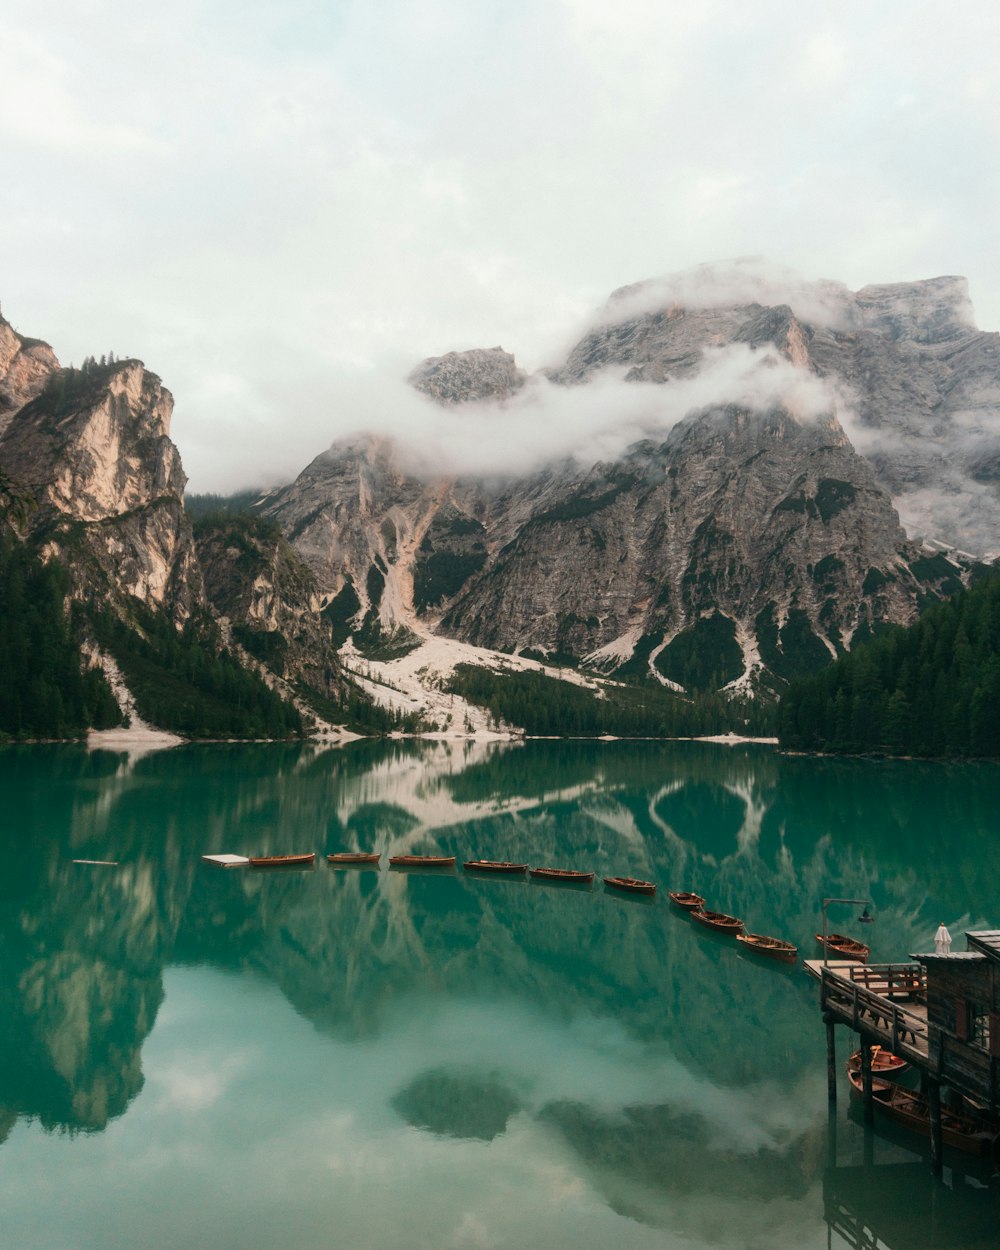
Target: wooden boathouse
x: 941, y: 1012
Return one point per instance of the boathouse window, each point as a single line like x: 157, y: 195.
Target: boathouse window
x: 979, y: 1026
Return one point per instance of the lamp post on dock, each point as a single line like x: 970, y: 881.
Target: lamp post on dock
x: 865, y: 918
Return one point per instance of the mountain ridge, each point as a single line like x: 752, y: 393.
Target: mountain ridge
x: 731, y: 537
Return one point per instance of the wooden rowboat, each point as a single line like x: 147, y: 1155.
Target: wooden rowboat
x: 910, y: 1109
x: 844, y: 947
x: 561, y: 874
x: 422, y: 861
x: 717, y: 920
x: 632, y: 884
x: 493, y: 865
x: 282, y: 861
x: 772, y: 947
x: 355, y: 857
x: 883, y: 1062
x: 681, y: 898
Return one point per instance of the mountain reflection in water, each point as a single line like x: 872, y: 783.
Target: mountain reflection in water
x: 679, y: 1079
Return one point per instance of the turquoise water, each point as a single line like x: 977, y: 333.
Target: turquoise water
x: 304, y: 1059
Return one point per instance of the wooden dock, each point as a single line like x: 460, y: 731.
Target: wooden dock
x: 885, y: 1003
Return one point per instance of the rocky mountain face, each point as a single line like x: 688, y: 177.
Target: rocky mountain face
x: 265, y: 591
x: 747, y: 543
x: 90, y: 475
x: 921, y: 382
x: 93, y: 451
x: 458, y: 377
x: 25, y: 367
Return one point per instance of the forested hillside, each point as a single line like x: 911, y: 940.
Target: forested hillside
x: 546, y: 706
x: 932, y: 689
x: 44, y: 690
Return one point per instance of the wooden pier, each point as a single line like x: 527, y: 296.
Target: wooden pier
x: 939, y: 1012
x: 886, y: 1003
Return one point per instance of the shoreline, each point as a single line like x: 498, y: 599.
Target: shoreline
x: 163, y: 739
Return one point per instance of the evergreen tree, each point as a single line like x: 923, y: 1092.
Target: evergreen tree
x: 932, y: 689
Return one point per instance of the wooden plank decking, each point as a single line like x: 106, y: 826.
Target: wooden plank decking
x: 886, y: 1003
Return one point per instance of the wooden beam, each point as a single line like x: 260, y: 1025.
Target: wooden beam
x: 934, y: 1106
x: 866, y: 1078
x: 831, y: 1059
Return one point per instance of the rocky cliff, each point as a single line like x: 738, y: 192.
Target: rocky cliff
x: 89, y: 476
x: 921, y: 383
x: 93, y: 450
x: 25, y: 367
x: 267, y: 595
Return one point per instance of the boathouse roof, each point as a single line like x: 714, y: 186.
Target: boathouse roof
x: 987, y: 941
x: 932, y: 957
x: 983, y: 943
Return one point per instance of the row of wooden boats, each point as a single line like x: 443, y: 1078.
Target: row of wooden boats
x: 490, y: 866
x: 759, y: 943
x: 836, y: 944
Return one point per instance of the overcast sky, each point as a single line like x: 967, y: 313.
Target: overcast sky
x: 266, y: 200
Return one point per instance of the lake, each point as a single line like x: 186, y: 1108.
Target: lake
x: 299, y: 1059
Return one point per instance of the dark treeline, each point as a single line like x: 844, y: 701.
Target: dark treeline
x: 183, y: 681
x: 546, y: 705
x: 213, y: 506
x: 932, y: 689
x: 71, y: 388
x: 44, y: 690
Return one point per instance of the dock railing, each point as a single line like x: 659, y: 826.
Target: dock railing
x: 869, y: 998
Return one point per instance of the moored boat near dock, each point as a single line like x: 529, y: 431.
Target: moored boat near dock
x: 912, y: 1110
x: 422, y: 861
x: 685, y: 900
x: 884, y: 1062
x: 844, y: 947
x: 772, y: 947
x: 355, y: 857
x: 717, y: 920
x: 283, y: 861
x: 568, y: 875
x: 494, y: 865
x: 631, y: 884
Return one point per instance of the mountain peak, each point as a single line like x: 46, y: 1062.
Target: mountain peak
x: 464, y: 377
x: 933, y: 310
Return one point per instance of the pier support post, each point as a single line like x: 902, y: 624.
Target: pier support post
x: 866, y: 1079
x: 934, y: 1106
x: 831, y: 1059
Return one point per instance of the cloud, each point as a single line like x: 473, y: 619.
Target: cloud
x: 546, y: 423
x: 276, y: 192
x: 745, y: 280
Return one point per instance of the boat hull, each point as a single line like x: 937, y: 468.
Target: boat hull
x: 422, y: 861
x: 685, y: 900
x: 910, y: 1110
x: 840, y: 946
x: 566, y: 876
x: 769, y: 947
x: 495, y: 866
x: 631, y: 885
x: 718, y: 920
x: 884, y: 1062
x: 283, y: 861
x: 354, y: 857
